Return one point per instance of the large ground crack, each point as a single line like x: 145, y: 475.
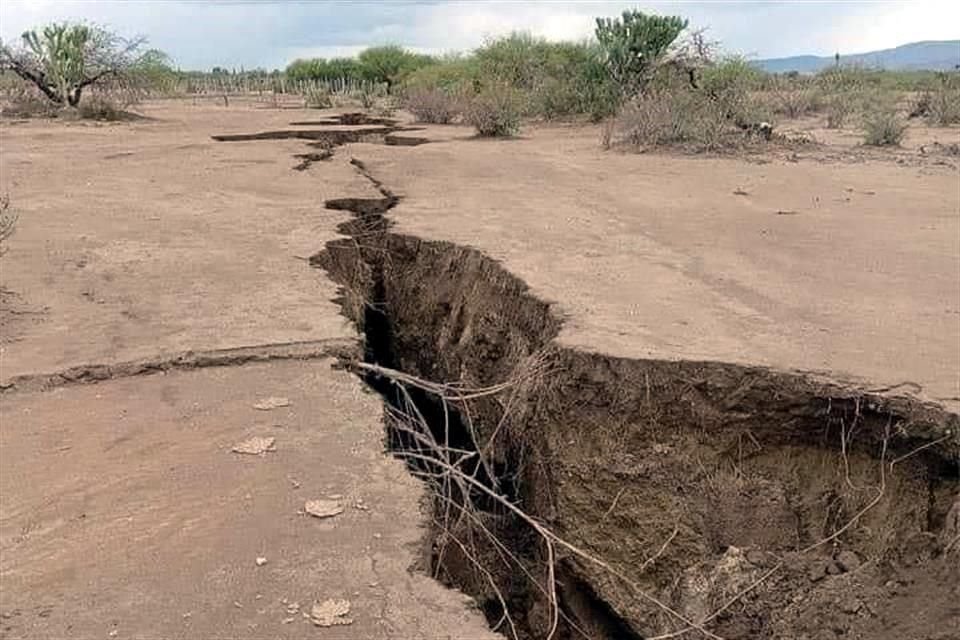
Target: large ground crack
x: 747, y: 501
x: 326, y: 140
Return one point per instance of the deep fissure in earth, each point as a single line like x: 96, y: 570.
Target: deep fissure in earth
x: 764, y: 503
x: 750, y: 502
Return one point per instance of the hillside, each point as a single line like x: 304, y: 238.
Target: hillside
x: 929, y: 55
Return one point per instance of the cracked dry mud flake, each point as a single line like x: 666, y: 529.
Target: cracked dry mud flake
x: 323, y: 508
x: 273, y: 402
x: 331, y: 613
x: 256, y: 445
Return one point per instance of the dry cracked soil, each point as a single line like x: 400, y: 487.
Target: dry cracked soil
x: 677, y: 412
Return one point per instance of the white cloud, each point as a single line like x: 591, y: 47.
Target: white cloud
x: 266, y: 33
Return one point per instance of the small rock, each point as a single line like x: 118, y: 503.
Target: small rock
x: 261, y: 561
x: 850, y: 605
x: 817, y: 570
x: 756, y: 558
x: 330, y: 613
x: 848, y: 561
x: 256, y: 445
x: 323, y: 508
x: 273, y: 402
x: 289, y: 620
x: 833, y: 568
x: 113, y: 634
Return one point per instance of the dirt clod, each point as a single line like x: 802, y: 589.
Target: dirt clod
x: 848, y: 560
x: 273, y: 402
x: 323, y: 508
x: 257, y: 445
x: 331, y: 613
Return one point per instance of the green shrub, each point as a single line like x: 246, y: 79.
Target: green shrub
x: 496, y: 111
x: 454, y: 75
x: 731, y: 84
x: 433, y: 106
x: 884, y: 127
x: 390, y: 64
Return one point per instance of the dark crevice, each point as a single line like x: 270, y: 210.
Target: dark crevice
x: 351, y: 119
x: 613, y: 453
x: 326, y: 140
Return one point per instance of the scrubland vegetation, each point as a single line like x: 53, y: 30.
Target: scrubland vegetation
x: 650, y: 79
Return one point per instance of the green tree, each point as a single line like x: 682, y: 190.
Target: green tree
x: 390, y: 64
x: 634, y: 44
x: 63, y: 59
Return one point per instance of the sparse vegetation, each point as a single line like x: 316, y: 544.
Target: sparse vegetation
x: 941, y: 105
x: 495, y: 112
x: 884, y: 127
x: 318, y: 97
x: 795, y: 97
x: 670, y: 118
x: 8, y: 222
x: 434, y: 106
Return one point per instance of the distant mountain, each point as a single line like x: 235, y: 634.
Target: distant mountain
x: 938, y: 55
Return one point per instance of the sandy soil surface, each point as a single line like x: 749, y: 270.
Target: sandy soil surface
x: 123, y: 508
x: 150, y: 527
x: 146, y: 238
x: 123, y: 512
x: 852, y: 267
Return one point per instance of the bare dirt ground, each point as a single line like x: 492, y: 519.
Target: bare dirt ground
x: 845, y: 267
x: 123, y: 508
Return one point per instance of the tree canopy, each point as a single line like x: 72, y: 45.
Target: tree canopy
x: 62, y: 59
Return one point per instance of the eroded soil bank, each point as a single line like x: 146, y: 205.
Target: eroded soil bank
x: 693, y: 499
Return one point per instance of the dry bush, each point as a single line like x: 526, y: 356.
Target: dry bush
x: 385, y: 107
x: 884, y: 127
x: 317, y: 97
x: 22, y: 101
x: 794, y: 98
x: 8, y: 221
x: 839, y: 108
x: 433, y: 106
x: 495, y: 112
x: 944, y: 106
x: 670, y: 118
x: 100, y: 106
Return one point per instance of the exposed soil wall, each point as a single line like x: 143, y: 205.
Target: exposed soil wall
x: 763, y: 504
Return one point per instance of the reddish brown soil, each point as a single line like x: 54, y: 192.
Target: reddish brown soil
x: 683, y: 312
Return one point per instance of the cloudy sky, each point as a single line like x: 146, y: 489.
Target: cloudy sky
x: 200, y: 34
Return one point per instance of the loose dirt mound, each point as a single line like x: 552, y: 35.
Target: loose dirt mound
x: 686, y: 498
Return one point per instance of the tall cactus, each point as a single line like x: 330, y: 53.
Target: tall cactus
x: 60, y: 51
x: 634, y: 44
x: 62, y: 59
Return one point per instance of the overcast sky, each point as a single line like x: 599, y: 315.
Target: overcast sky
x: 200, y: 34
